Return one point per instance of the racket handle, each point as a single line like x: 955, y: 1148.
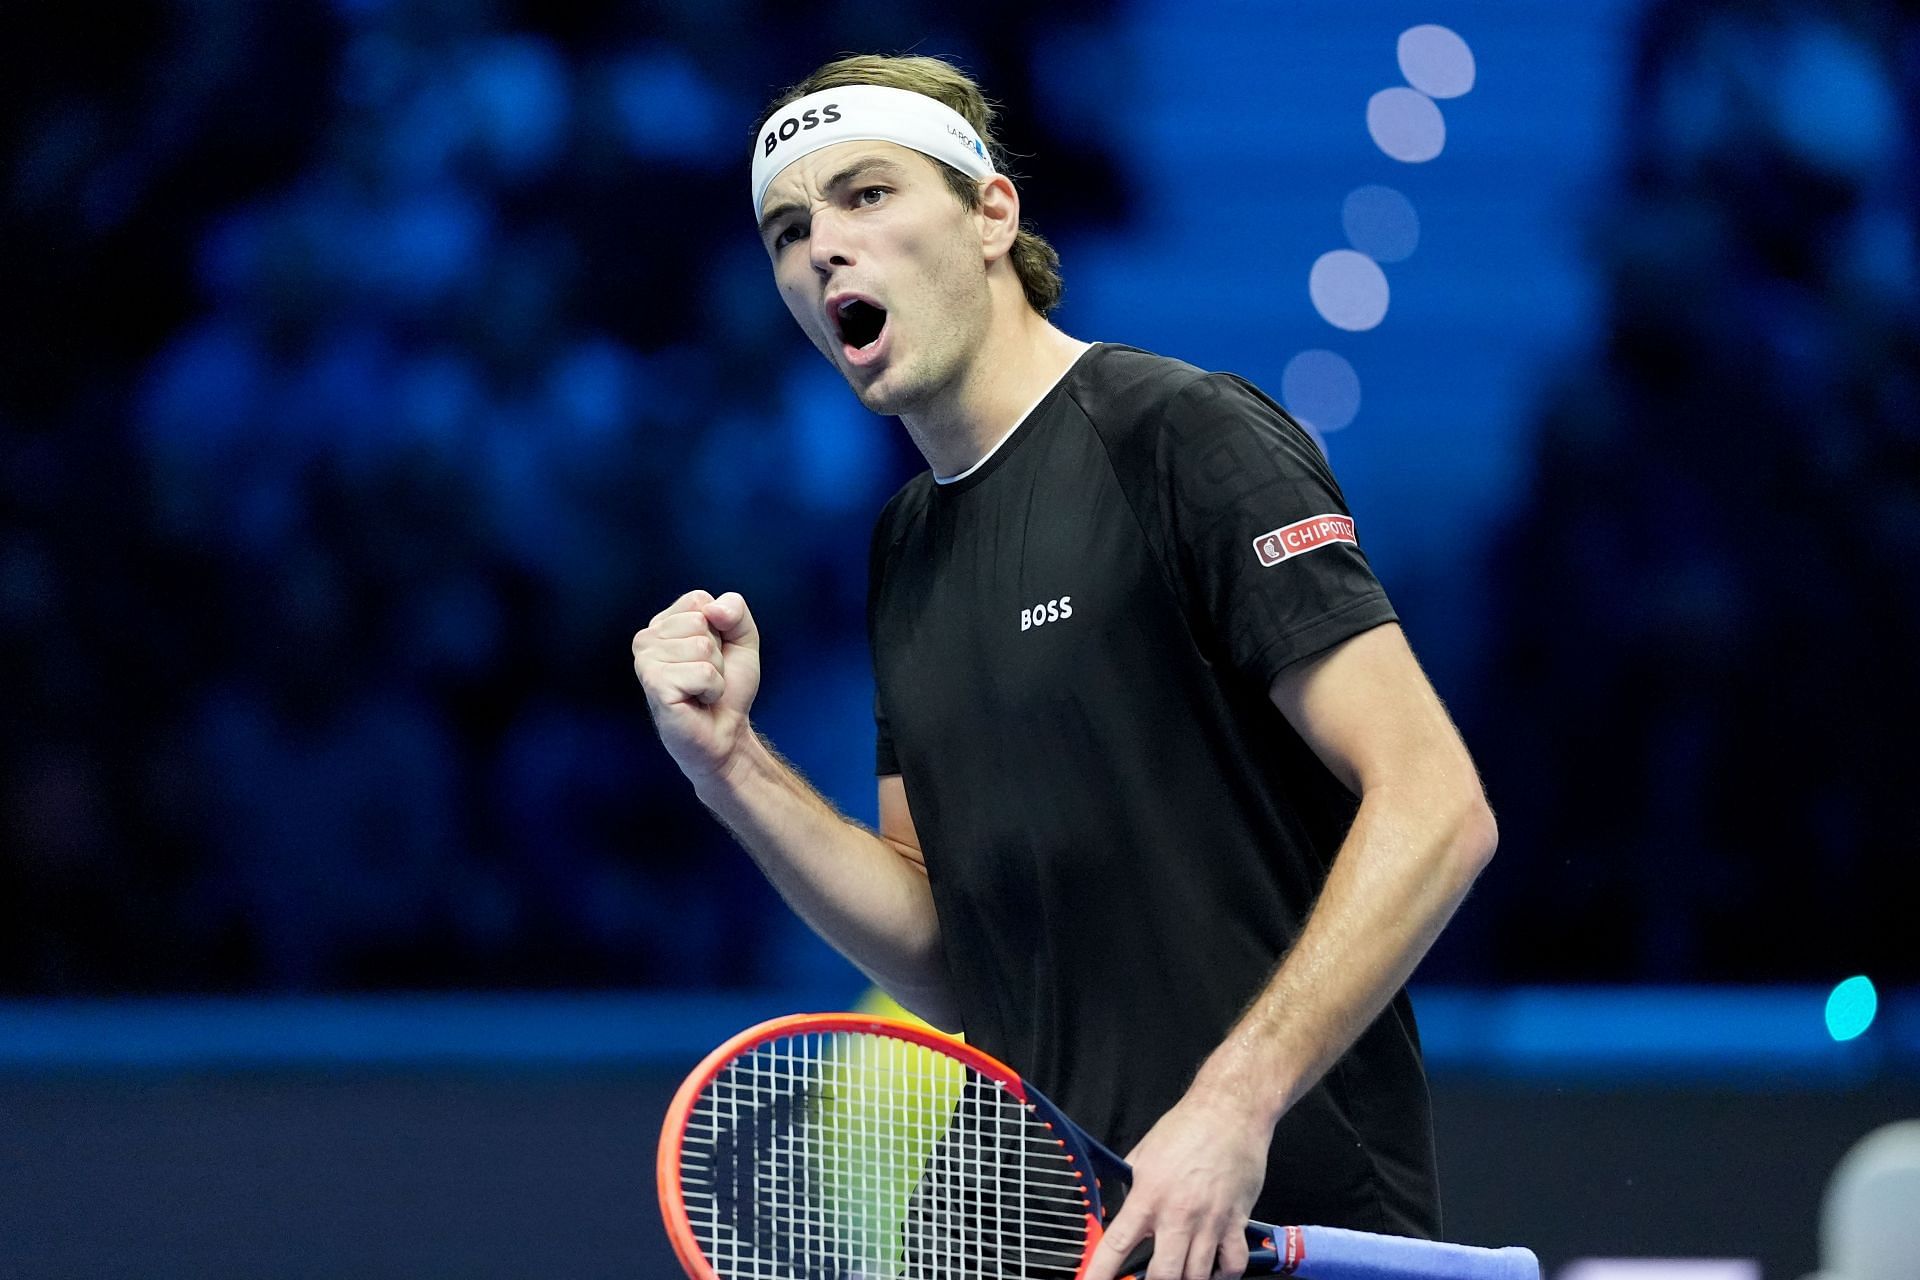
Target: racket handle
x: 1334, y: 1253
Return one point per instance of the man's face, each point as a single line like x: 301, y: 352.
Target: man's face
x: 881, y: 267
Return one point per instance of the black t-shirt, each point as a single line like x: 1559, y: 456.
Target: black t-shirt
x: 1073, y: 647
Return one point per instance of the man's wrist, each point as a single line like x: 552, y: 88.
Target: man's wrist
x: 1254, y: 1085
x: 723, y: 788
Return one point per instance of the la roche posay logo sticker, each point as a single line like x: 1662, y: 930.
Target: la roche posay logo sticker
x: 1303, y: 536
x: 970, y: 143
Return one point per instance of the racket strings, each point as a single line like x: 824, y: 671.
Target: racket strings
x: 854, y: 1156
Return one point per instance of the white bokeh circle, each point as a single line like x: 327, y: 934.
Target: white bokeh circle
x: 1436, y: 61
x: 1406, y: 124
x: 1348, y: 289
x: 1381, y: 223
x: 1321, y: 389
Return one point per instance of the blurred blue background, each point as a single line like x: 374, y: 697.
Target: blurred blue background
x: 372, y: 371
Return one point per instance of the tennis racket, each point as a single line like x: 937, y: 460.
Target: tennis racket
x: 841, y: 1147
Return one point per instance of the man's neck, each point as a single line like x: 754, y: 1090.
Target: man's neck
x: 1013, y: 370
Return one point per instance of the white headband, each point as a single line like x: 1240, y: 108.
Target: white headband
x: 865, y: 113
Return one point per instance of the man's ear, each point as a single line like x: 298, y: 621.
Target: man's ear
x: 998, y: 217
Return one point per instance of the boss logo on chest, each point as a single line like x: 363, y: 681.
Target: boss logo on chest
x: 1057, y: 610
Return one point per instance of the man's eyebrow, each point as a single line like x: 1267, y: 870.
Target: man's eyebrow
x: 888, y: 168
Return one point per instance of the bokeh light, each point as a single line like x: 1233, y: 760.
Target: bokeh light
x: 1832, y: 105
x: 1348, y: 289
x: 1851, y: 1006
x: 1406, y: 125
x: 1381, y: 223
x: 1436, y: 61
x: 1321, y: 389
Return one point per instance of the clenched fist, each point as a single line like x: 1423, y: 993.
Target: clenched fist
x: 699, y: 662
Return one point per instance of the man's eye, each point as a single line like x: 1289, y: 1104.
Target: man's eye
x: 870, y: 191
x: 786, y: 235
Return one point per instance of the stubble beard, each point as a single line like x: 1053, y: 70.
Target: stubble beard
x: 952, y: 329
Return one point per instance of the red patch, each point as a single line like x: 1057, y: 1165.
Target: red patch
x: 1296, y: 1250
x: 1303, y: 536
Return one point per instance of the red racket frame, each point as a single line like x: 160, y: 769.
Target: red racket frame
x: 673, y: 1204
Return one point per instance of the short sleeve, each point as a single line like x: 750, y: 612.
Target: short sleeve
x: 1262, y: 546
x: 885, y: 761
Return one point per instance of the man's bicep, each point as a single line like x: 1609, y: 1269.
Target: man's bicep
x: 896, y: 820
x: 1370, y: 715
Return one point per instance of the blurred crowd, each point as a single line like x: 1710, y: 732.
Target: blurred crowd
x: 373, y: 371
x: 373, y: 374
x: 1700, y: 726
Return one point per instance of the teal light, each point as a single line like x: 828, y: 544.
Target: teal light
x: 1851, y: 1007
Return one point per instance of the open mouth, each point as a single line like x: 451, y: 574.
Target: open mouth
x: 860, y: 323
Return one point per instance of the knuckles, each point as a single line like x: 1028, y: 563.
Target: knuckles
x: 677, y: 657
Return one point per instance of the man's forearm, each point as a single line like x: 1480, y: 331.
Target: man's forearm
x: 1407, y: 862
x: 859, y: 891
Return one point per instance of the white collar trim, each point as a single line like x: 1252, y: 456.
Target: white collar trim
x: 1017, y: 422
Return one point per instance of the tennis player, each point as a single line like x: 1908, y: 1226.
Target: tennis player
x: 1168, y: 810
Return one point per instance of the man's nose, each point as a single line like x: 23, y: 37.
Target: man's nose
x: 829, y: 241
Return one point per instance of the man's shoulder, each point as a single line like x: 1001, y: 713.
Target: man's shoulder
x: 1139, y: 401
x: 1150, y: 410
x: 907, y: 505
x: 1123, y: 386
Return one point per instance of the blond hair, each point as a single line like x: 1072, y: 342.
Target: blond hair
x: 1035, y: 262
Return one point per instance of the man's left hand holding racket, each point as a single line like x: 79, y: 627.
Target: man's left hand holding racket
x: 1196, y: 1174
